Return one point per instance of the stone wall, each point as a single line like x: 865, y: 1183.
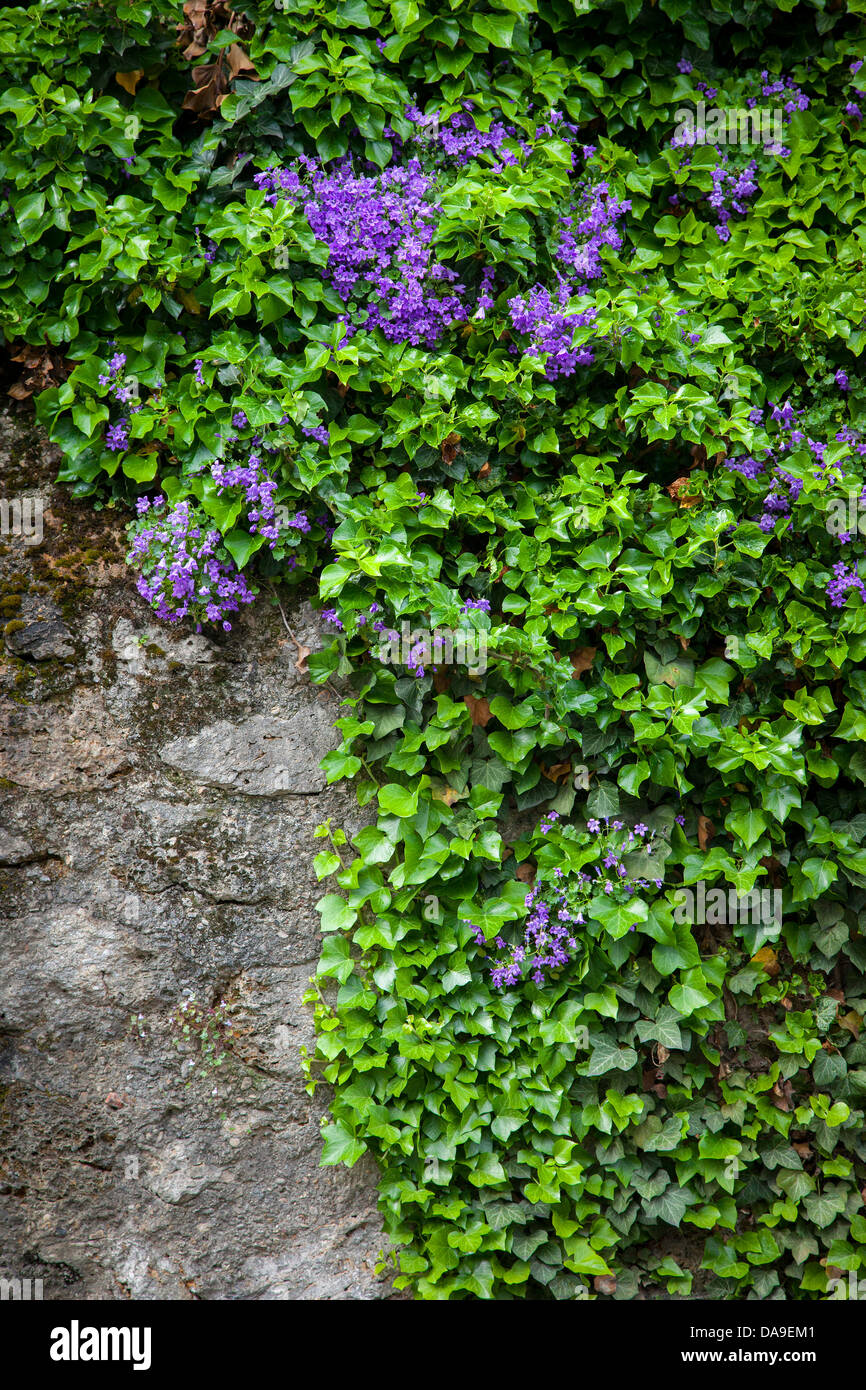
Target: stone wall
x: 158, y: 794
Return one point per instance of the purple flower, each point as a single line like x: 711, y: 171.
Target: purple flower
x: 185, y: 572
x: 116, y: 437
x: 317, y: 432
x: 841, y: 380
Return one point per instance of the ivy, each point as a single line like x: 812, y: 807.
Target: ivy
x: 570, y: 485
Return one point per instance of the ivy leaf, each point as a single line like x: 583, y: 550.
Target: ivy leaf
x: 340, y: 1146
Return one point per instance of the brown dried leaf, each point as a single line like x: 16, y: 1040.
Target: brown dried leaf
x: 558, y: 772
x: 767, y: 959
x: 450, y: 447
x: 582, y: 659
x: 706, y: 831
x: 187, y: 299
x: 852, y: 1021
x: 604, y: 1283
x: 240, y: 63
x: 129, y: 80
x: 479, y: 709
x: 526, y: 873
x: 301, y: 663
x: 446, y: 794
x: 781, y: 1095
x: 678, y: 490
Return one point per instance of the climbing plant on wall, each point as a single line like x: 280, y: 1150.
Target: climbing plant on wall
x: 527, y: 335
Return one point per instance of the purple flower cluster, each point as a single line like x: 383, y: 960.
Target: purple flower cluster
x: 121, y: 390
x: 844, y: 579
x: 116, y: 436
x: 548, y: 940
x: 544, y: 316
x: 560, y: 906
x: 459, y: 138
x: 186, y: 572
x: 378, y: 229
x: 318, y: 432
x: 731, y: 190
x: 782, y: 86
x: 550, y: 328
x: 259, y: 488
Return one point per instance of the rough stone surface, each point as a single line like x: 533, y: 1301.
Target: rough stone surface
x: 158, y: 794
x: 260, y: 756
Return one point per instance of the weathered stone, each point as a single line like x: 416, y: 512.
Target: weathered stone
x: 128, y: 1168
x: 260, y: 756
x: 13, y: 849
x: 42, y: 640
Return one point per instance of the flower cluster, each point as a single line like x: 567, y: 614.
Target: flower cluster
x: 378, y: 229
x: 459, y: 138
x: 185, y: 570
x: 259, y: 488
x: 844, y: 579
x: 731, y: 191
x: 543, y: 315
x: 561, y: 906
x: 121, y: 389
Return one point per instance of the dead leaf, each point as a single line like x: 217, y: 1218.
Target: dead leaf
x: 301, y: 663
x: 41, y: 368
x: 706, y: 831
x: 450, y: 447
x: 678, y: 490
x: 852, y: 1021
x: 187, y: 299
x: 653, y: 1080
x: 479, y: 709
x: 604, y: 1283
x: 767, y: 959
x: 558, y: 772
x: 582, y: 659
x: 484, y: 470
x: 781, y: 1095
x: 446, y: 794
x: 804, y: 1150
x: 204, y: 20
x: 239, y: 63
x: 129, y: 80
x: 525, y: 872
